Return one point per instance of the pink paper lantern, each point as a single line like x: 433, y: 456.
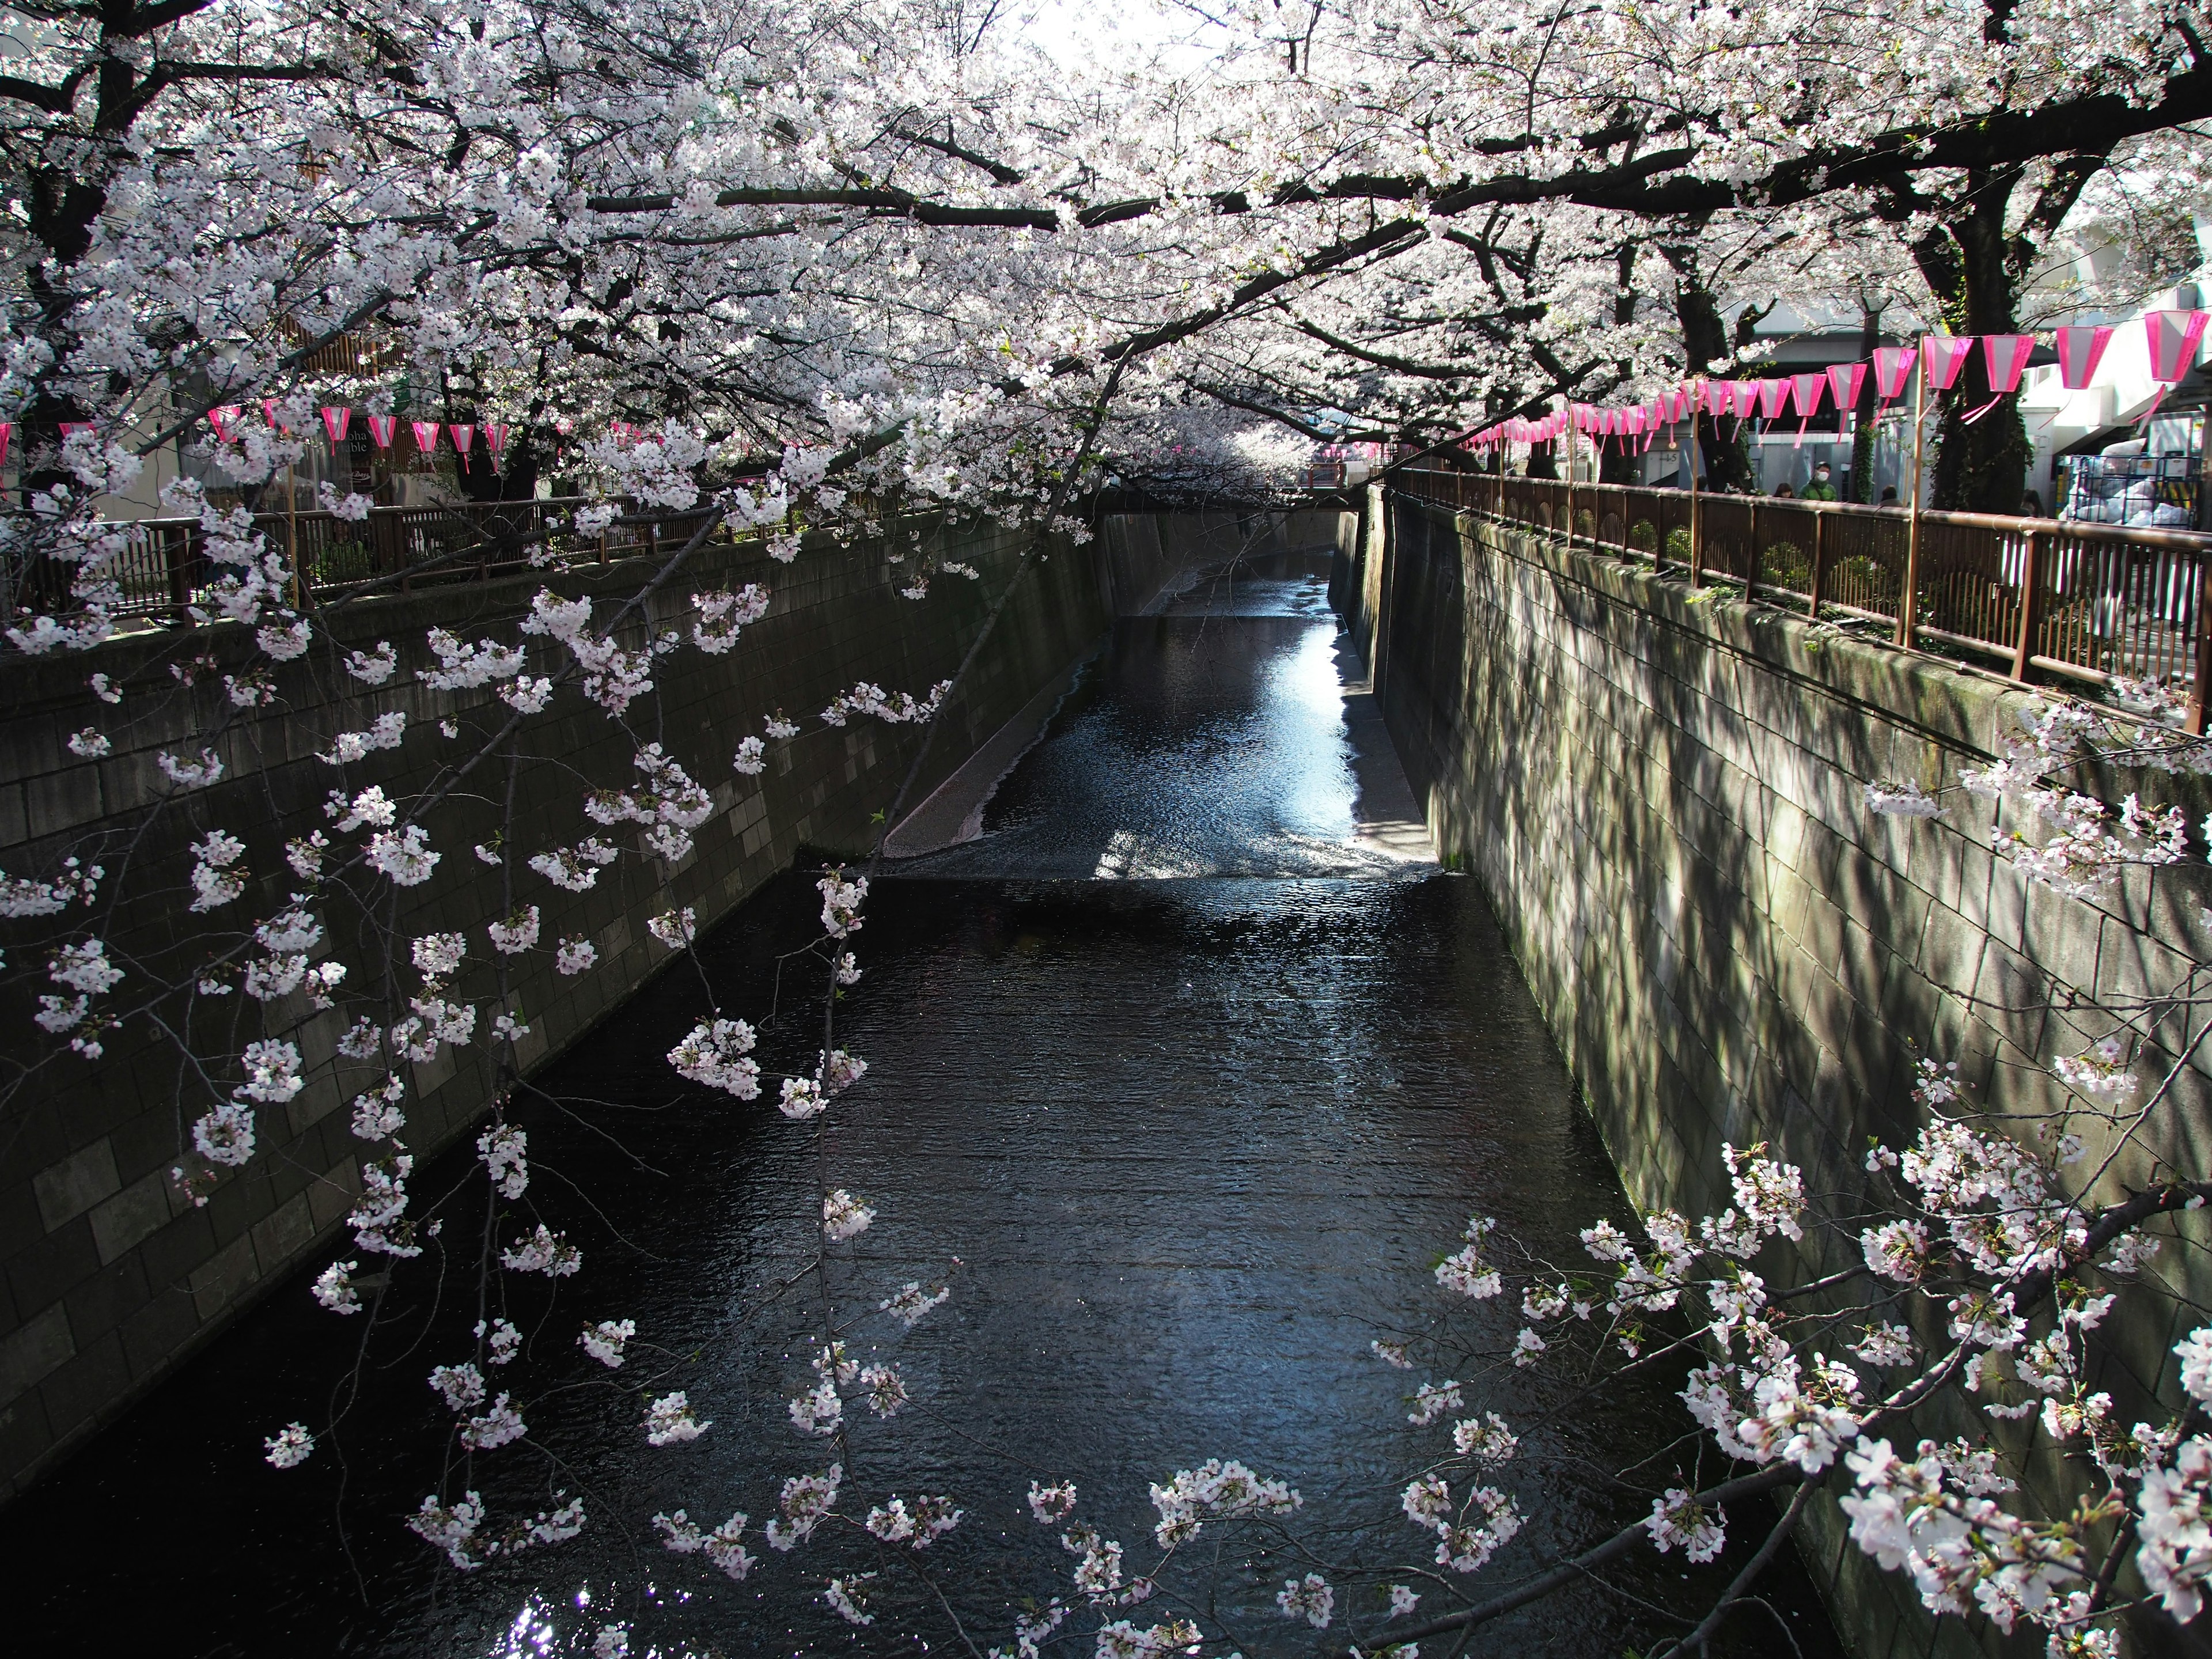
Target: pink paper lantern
x: 1892, y: 369
x: 1773, y: 394
x: 336, y: 422
x: 1942, y: 355
x: 426, y: 436
x: 2005, y: 357
x: 1846, y: 380
x: 2080, y: 351
x: 382, y: 428
x: 2173, y: 337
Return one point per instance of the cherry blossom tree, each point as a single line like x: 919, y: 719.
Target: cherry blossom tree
x: 852, y: 270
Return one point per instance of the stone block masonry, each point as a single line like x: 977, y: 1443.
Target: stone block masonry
x: 1662, y: 794
x: 108, y: 1276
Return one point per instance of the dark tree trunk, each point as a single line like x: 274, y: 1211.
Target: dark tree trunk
x: 1976, y: 270
x: 1968, y: 264
x: 1863, y: 413
x: 1723, y: 464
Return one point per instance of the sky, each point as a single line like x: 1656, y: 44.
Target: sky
x: 1083, y: 33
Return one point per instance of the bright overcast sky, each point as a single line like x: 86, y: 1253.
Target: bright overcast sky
x: 1108, y: 32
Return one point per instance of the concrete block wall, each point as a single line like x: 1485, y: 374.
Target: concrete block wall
x: 108, y: 1275
x: 1663, y: 794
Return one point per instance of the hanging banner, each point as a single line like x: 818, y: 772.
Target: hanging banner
x: 1892, y: 370
x: 1846, y: 380
x: 426, y: 436
x: 382, y: 428
x: 2005, y: 357
x: 1943, y: 355
x: 1805, y: 393
x: 336, y: 422
x: 2173, y: 337
x: 2173, y: 340
x: 2080, y: 351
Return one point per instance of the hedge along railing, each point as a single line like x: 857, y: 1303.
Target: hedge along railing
x: 2083, y: 601
x: 164, y: 565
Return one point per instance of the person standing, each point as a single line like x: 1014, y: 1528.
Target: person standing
x: 1819, y: 489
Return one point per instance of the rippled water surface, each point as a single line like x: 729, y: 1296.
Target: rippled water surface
x: 1182, y: 1148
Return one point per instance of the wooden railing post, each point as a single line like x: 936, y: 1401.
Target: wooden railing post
x: 2031, y: 604
x: 1751, y: 565
x: 1696, y: 519
x: 1908, y: 611
x: 177, y: 553
x: 2204, y: 665
x: 1697, y: 550
x: 1820, y: 564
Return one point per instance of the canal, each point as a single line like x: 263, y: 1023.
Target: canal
x: 1183, y: 1074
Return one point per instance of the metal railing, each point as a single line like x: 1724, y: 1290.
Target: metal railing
x: 2082, y: 601
x: 164, y: 570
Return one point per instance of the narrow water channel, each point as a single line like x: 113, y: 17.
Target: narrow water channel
x: 1183, y: 1075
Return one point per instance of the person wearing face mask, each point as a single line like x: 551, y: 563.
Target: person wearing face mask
x: 1819, y: 489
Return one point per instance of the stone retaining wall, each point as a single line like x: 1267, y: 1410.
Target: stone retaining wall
x: 1663, y: 795
x: 108, y: 1275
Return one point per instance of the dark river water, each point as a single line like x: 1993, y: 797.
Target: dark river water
x: 1182, y: 1077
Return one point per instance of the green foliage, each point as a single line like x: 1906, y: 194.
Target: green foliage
x: 1643, y: 537
x: 1784, y: 564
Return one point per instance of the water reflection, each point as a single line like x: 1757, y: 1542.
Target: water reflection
x: 1204, y: 743
x: 1181, y: 1149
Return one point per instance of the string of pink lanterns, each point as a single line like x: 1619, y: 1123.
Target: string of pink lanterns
x: 2172, y: 336
x: 383, y: 431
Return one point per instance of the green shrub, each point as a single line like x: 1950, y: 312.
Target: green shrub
x: 1784, y: 564
x: 1860, y: 580
x: 1641, y: 537
x: 1678, y: 545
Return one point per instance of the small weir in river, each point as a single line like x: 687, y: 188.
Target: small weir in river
x: 1184, y: 1073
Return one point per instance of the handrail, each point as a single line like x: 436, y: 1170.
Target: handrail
x: 2091, y: 529
x: 163, y: 570
x: 2083, y: 600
